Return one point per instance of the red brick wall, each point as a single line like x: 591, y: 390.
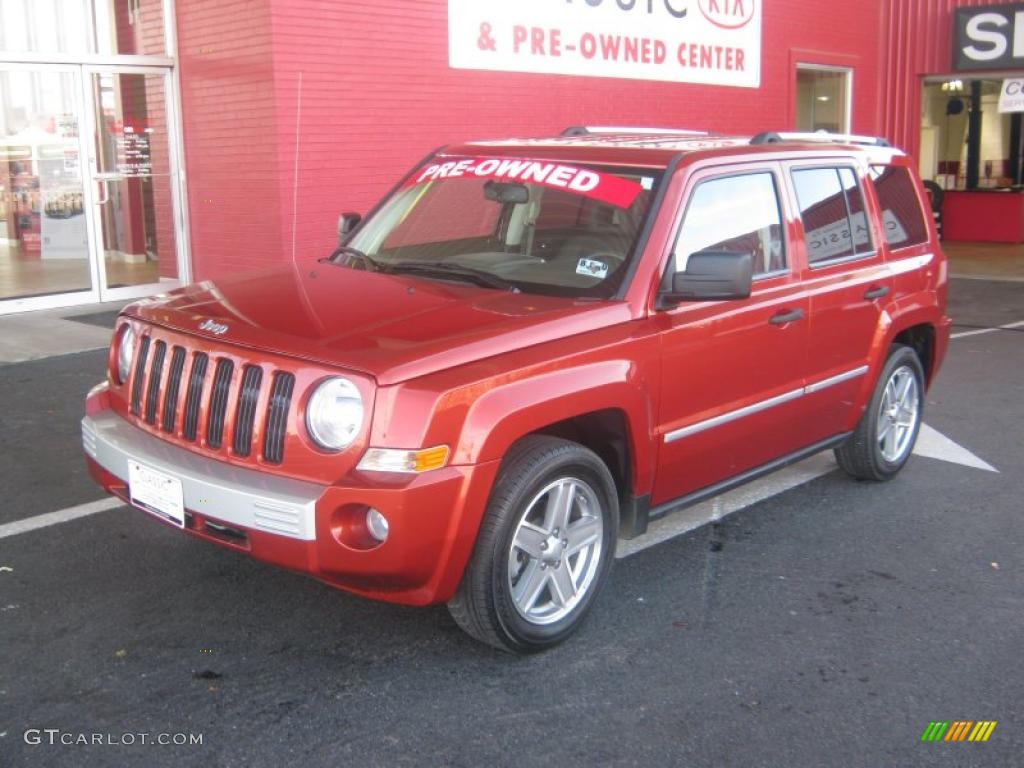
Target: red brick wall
x: 231, y: 143
x: 377, y: 94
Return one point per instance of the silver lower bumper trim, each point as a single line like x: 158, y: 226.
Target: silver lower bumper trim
x: 239, y: 497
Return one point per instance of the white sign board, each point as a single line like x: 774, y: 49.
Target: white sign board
x: 1011, y: 97
x: 685, y: 41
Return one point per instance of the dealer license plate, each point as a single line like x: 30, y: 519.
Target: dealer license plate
x: 156, y: 492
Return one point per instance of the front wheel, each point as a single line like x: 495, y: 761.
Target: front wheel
x: 545, y: 547
x: 885, y: 435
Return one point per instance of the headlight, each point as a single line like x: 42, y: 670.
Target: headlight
x: 125, y: 354
x: 334, y: 414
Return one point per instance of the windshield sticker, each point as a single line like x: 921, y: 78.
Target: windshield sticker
x: 606, y: 187
x: 592, y: 268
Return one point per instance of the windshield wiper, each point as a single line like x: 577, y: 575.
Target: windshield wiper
x: 354, y: 253
x: 441, y: 269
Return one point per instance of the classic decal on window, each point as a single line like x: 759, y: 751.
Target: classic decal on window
x: 606, y: 187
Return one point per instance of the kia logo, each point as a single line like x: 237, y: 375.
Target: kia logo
x: 213, y: 327
x: 729, y: 14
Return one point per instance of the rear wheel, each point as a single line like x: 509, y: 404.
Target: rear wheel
x: 885, y: 436
x: 544, y: 549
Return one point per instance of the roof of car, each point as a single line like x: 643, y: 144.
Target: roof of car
x: 637, y: 147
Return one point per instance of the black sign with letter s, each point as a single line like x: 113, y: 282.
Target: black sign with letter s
x: 989, y: 37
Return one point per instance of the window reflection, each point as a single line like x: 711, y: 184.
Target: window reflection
x: 821, y: 100
x: 112, y: 27
x: 738, y: 214
x: 44, y: 246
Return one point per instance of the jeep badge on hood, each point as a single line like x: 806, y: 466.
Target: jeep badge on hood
x: 213, y: 327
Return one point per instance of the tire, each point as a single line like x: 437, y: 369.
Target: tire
x: 885, y: 435
x: 527, y: 588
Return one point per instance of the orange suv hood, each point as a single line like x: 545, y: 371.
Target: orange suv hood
x: 391, y: 327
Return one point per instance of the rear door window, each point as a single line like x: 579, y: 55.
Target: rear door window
x: 832, y: 210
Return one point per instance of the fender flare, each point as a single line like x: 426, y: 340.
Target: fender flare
x: 515, y: 409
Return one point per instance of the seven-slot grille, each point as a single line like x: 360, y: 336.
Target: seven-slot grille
x: 183, y: 385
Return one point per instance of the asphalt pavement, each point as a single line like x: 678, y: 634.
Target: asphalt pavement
x: 824, y: 626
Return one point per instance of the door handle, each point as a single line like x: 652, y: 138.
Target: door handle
x: 876, y: 293
x: 103, y: 181
x: 786, y: 316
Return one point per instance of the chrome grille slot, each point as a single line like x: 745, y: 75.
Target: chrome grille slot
x: 252, y: 377
x: 155, y: 374
x: 173, y: 385
x: 277, y: 417
x: 195, y: 393
x: 140, y: 375
x: 219, y: 403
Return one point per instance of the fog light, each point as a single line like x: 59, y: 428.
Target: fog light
x: 376, y: 524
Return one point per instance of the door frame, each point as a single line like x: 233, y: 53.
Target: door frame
x: 92, y: 293
x: 90, y: 165
x: 82, y: 73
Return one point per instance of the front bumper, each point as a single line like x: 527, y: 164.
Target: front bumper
x: 307, y: 527
x: 240, y: 498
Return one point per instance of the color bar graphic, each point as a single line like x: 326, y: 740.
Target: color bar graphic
x: 982, y: 730
x: 959, y: 730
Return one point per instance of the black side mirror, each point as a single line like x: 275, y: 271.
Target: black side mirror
x: 712, y: 276
x: 346, y: 223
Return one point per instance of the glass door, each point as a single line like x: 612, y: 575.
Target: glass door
x: 45, y: 217
x: 131, y: 168
x: 89, y: 185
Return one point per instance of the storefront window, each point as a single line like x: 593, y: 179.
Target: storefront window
x: 822, y: 99
x: 44, y: 247
x: 110, y: 27
x: 947, y: 136
x: 89, y: 194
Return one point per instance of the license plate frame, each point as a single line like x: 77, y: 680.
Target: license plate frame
x: 155, y: 491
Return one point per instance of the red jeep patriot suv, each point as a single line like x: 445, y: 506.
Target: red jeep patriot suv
x: 527, y: 350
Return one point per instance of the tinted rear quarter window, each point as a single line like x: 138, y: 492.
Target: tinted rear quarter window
x: 902, y: 216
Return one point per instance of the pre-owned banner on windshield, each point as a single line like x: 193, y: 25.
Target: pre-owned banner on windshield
x: 606, y: 187
x: 687, y: 41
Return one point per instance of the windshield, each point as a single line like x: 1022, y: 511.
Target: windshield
x: 513, y: 224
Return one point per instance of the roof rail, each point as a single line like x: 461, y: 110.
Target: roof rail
x: 589, y: 130
x: 773, y: 137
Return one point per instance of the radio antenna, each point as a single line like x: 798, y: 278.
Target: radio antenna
x: 295, y: 179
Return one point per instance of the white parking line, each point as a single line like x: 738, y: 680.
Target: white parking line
x: 980, y: 331
x: 60, y: 516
